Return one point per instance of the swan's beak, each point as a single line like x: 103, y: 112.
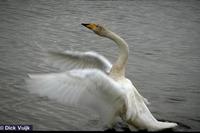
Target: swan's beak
x: 90, y: 26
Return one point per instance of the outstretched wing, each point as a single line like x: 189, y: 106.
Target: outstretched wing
x: 68, y: 60
x: 87, y: 88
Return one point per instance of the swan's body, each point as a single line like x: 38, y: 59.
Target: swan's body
x: 95, y: 83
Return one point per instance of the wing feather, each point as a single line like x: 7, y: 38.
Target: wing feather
x: 87, y: 88
x: 68, y: 60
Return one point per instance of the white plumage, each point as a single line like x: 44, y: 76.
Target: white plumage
x: 87, y: 88
x: 68, y: 60
x: 93, y: 82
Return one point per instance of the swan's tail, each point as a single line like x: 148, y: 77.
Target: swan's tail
x: 139, y: 116
x: 150, y: 123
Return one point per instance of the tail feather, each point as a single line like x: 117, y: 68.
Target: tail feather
x: 140, y: 117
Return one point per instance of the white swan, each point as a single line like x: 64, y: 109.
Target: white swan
x: 93, y: 82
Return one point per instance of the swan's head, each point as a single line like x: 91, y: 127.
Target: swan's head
x: 96, y: 28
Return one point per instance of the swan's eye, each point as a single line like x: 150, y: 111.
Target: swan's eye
x: 99, y: 28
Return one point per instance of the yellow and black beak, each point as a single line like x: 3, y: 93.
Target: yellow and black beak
x: 90, y: 26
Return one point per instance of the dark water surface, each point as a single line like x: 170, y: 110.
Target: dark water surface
x: 164, y: 61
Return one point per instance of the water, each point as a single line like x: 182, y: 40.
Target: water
x: 164, y: 61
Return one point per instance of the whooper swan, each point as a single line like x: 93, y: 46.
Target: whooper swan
x: 95, y: 83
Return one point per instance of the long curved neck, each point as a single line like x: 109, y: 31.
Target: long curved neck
x: 118, y: 68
